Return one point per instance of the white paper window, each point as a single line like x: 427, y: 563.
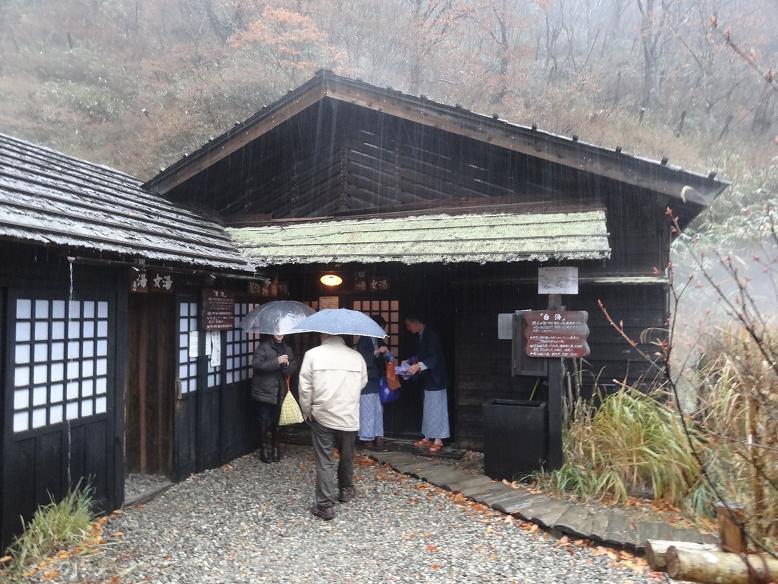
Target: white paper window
x: 187, y: 364
x: 56, y: 373
x: 240, y: 346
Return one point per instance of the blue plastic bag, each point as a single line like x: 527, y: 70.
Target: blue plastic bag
x: 387, y: 395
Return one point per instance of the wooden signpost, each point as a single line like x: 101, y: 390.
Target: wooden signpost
x: 218, y: 313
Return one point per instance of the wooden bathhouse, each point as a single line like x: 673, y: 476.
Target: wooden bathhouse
x: 416, y: 206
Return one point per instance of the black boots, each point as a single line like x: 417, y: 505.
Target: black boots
x: 264, y: 449
x: 269, y: 451
x: 276, y: 454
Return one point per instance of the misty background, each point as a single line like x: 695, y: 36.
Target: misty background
x: 136, y: 84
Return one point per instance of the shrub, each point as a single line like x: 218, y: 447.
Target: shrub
x: 54, y: 526
x: 633, y: 444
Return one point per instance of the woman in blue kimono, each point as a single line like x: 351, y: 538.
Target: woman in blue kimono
x: 371, y: 412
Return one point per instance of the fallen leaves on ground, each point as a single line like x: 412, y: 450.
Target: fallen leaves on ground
x: 431, y: 548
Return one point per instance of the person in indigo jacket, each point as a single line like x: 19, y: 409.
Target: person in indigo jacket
x: 273, y: 365
x: 431, y: 366
x: 371, y: 412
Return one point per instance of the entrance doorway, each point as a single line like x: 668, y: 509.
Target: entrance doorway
x: 149, y: 399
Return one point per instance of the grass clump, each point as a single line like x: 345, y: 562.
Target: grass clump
x: 633, y: 444
x: 56, y: 525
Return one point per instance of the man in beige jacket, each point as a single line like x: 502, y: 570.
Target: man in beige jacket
x: 331, y: 380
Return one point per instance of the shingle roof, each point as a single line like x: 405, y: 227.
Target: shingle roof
x: 482, y: 238
x: 49, y: 198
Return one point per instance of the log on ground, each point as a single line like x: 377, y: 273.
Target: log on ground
x: 720, y: 567
x: 656, y: 551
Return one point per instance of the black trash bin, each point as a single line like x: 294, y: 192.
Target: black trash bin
x: 515, y: 438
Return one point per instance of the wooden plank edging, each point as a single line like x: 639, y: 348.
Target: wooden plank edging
x: 610, y: 527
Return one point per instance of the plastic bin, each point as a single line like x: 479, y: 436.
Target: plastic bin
x: 515, y: 438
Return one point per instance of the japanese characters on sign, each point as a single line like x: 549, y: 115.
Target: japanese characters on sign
x: 268, y: 289
x: 365, y: 283
x: 218, y: 312
x: 558, y: 280
x: 151, y: 282
x: 555, y: 333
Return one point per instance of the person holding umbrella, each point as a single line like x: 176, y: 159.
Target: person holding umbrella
x: 331, y: 380
x: 273, y: 365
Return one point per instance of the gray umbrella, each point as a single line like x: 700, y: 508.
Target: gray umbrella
x: 276, y: 318
x: 340, y: 321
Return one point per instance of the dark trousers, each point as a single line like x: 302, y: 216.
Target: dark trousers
x: 324, y: 441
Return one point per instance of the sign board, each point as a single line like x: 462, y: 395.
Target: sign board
x: 555, y: 333
x: 558, y: 280
x: 521, y: 364
x: 218, y: 313
x: 144, y: 282
x: 365, y: 283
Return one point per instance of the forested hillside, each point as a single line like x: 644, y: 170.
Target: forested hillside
x: 137, y: 83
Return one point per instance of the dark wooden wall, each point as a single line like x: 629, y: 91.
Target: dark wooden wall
x: 36, y: 464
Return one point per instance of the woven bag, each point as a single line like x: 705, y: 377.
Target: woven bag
x: 290, y: 410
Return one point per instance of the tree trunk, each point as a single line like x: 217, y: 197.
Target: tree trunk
x: 720, y: 567
x: 656, y: 551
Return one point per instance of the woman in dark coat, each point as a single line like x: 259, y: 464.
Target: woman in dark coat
x: 273, y: 365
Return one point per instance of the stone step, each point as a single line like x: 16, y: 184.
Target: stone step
x: 513, y: 504
x: 472, y: 481
x: 576, y: 521
x: 599, y: 527
x: 547, y: 516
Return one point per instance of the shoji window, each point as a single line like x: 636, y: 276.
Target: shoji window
x: 240, y: 346
x: 60, y: 356
x: 390, y: 310
x: 187, y: 366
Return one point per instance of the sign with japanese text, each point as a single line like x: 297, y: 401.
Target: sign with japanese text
x: 365, y: 283
x: 558, y: 280
x: 151, y: 282
x: 218, y: 312
x: 556, y: 333
x: 269, y: 289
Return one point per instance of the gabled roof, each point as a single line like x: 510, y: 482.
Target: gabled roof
x: 49, y: 198
x: 658, y: 176
x: 481, y: 238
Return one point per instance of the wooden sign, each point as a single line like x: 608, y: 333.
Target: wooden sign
x: 558, y: 280
x: 365, y: 283
x: 556, y: 333
x: 151, y: 282
x: 218, y: 312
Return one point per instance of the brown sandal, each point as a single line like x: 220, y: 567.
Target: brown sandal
x: 423, y: 443
x: 435, y: 448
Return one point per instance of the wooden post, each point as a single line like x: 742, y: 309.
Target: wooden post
x: 732, y: 536
x: 554, y: 458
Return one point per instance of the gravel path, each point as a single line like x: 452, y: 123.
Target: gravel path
x: 250, y: 522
